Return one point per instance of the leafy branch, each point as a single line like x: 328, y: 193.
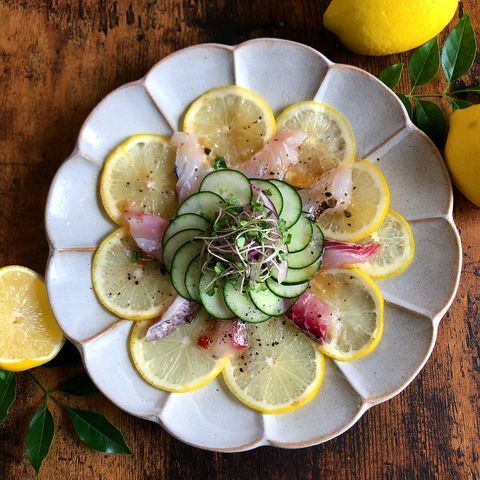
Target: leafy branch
x: 93, y: 429
x: 457, y: 57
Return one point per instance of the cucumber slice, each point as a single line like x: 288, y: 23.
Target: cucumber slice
x: 286, y: 291
x: 275, y: 195
x: 296, y: 276
x: 180, y: 263
x: 187, y: 221
x: 310, y: 253
x: 241, y: 304
x: 269, y: 303
x: 229, y: 184
x: 301, y: 231
x: 192, y: 279
x: 292, y: 202
x: 175, y: 242
x: 205, y: 204
x: 214, y: 304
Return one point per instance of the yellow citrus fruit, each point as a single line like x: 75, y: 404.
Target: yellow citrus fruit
x: 175, y: 363
x: 29, y: 334
x: 281, y: 370
x: 383, y: 27
x: 369, y: 205
x: 359, y: 305
x: 330, y: 141
x: 140, y: 173
x: 462, y: 151
x: 230, y: 122
x: 130, y: 288
x: 397, y: 251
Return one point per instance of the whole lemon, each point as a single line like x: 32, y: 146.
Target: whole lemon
x: 382, y: 27
x: 462, y: 151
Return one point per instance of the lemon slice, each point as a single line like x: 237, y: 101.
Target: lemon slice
x: 131, y: 289
x: 330, y: 142
x: 398, y: 248
x: 369, y: 206
x: 175, y: 363
x: 140, y: 173
x: 281, y: 370
x: 230, y: 122
x: 359, y: 305
x: 29, y: 333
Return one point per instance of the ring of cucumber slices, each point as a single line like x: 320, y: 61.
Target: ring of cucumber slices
x: 225, y: 299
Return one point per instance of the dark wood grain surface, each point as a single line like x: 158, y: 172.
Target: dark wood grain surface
x: 57, y: 60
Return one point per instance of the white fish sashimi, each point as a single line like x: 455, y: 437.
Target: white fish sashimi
x: 175, y: 315
x: 147, y: 230
x: 191, y: 164
x: 276, y: 156
x: 338, y: 254
x: 227, y: 338
x: 331, y: 192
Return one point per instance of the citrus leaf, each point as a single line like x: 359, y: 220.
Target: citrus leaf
x: 68, y: 354
x: 458, y: 104
x: 39, y: 436
x: 459, y: 50
x: 79, y: 385
x: 8, y: 391
x: 424, y: 63
x: 431, y: 120
x: 406, y: 103
x: 391, y: 75
x: 95, y: 431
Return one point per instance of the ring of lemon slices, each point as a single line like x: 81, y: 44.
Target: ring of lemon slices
x: 285, y: 370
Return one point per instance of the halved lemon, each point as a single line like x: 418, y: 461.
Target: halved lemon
x: 230, y: 122
x: 368, y: 208
x: 29, y: 334
x: 330, y: 142
x: 281, y: 370
x: 175, y: 363
x: 357, y: 300
x: 398, y: 248
x: 132, y: 288
x: 140, y: 173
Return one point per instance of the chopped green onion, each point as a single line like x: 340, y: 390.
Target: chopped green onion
x: 219, y: 163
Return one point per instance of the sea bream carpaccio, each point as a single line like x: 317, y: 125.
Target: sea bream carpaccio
x: 338, y: 254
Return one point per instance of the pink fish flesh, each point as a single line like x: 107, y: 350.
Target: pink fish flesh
x: 276, y: 156
x: 331, y: 192
x: 147, y: 231
x: 337, y: 253
x: 312, y: 316
x: 228, y: 337
x: 191, y: 164
x: 176, y: 314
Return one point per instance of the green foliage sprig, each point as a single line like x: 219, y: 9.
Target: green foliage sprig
x: 457, y: 57
x: 93, y: 429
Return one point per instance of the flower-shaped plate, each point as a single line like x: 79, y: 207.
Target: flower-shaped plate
x: 283, y: 73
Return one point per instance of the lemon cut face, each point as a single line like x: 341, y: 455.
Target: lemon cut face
x: 330, y: 140
x: 175, y: 363
x: 29, y: 333
x: 358, y: 302
x: 281, y: 370
x: 230, y: 122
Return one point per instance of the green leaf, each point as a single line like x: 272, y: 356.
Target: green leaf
x: 39, y: 437
x: 391, y: 75
x: 459, y: 50
x: 95, y: 431
x: 219, y: 163
x: 68, y: 355
x: 431, y: 120
x: 79, y: 385
x: 8, y: 391
x: 458, y: 104
x: 424, y: 63
x: 406, y: 103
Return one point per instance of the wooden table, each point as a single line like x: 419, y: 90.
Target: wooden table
x: 57, y: 60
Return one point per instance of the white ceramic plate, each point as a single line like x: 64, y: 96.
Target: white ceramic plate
x: 283, y: 73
